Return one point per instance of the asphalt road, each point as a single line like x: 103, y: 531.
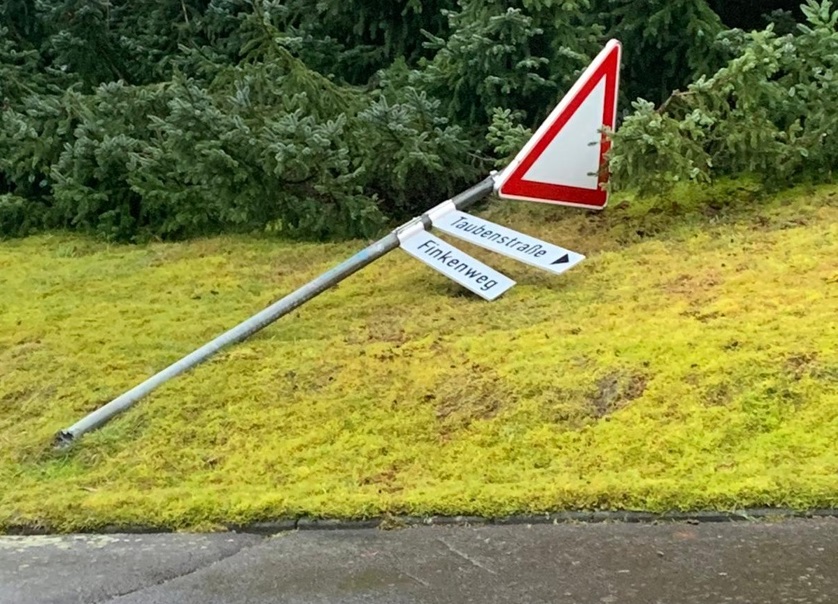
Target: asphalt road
x: 756, y: 563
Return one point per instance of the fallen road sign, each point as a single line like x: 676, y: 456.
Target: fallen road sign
x: 455, y: 264
x: 574, y: 185
x: 506, y: 241
x: 564, y: 162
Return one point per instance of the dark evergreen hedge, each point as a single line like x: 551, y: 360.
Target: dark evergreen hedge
x: 331, y: 118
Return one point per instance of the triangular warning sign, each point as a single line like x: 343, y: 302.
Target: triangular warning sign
x: 563, y: 162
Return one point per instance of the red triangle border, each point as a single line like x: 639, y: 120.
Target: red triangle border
x: 516, y: 187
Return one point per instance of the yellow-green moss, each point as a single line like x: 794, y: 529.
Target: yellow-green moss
x: 695, y: 369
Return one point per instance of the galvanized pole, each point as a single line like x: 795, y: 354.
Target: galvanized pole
x: 261, y: 320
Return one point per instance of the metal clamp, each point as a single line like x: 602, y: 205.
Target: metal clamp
x: 439, y: 211
x: 410, y: 229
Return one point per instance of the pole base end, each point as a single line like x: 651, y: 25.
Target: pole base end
x: 63, y: 440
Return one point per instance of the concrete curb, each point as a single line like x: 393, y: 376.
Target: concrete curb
x: 397, y: 522
x: 283, y: 525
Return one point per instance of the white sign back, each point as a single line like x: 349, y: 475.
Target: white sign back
x: 458, y: 266
x: 508, y: 242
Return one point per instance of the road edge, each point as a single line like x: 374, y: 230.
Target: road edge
x: 272, y: 527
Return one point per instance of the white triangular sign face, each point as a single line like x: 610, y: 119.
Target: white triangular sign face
x: 563, y: 162
x: 572, y: 157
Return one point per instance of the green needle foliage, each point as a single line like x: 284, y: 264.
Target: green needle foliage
x: 769, y: 111
x: 672, y: 43
x: 328, y: 119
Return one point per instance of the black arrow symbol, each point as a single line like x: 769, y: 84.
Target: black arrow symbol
x: 563, y: 260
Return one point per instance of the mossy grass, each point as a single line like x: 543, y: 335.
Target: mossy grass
x: 691, y: 362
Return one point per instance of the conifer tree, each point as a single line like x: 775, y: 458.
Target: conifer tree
x: 326, y: 118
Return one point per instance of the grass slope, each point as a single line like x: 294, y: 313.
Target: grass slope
x: 691, y: 366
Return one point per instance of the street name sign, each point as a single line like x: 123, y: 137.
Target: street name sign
x: 506, y: 241
x: 564, y: 162
x: 455, y: 264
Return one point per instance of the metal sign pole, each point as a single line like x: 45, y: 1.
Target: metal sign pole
x: 261, y: 320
